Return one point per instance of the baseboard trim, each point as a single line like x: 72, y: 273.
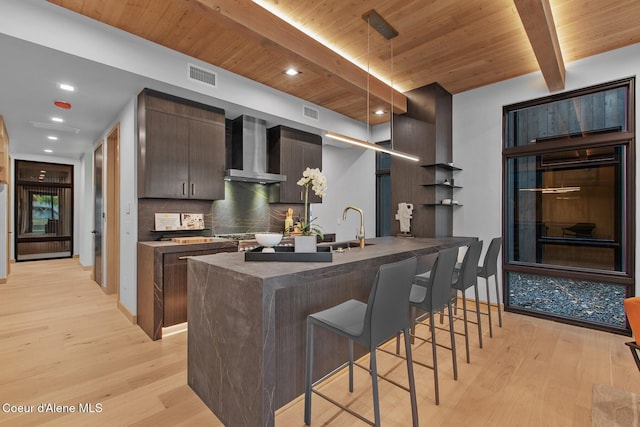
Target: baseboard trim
x: 131, y: 317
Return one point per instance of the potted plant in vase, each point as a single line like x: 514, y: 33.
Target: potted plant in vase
x: 315, y: 180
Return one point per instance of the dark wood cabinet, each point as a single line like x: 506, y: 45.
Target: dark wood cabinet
x: 162, y: 282
x: 291, y: 151
x: 181, y: 148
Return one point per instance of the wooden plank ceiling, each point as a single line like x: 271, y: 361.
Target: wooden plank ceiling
x: 461, y: 44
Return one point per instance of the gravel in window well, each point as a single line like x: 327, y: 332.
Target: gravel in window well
x: 582, y: 300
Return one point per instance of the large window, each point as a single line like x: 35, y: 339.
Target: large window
x: 568, y: 205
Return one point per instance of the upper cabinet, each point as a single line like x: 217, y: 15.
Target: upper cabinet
x: 181, y: 151
x: 291, y: 151
x: 4, y: 153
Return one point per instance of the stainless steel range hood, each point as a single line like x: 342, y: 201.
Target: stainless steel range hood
x: 249, y: 152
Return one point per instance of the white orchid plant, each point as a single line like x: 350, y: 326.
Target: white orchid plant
x: 314, y: 179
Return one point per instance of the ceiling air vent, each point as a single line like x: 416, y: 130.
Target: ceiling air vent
x: 202, y: 75
x: 310, y: 113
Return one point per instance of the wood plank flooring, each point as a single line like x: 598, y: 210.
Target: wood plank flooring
x: 63, y: 342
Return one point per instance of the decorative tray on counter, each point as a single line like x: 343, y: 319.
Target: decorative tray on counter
x: 286, y: 254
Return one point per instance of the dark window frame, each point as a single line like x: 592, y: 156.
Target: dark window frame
x: 591, y: 140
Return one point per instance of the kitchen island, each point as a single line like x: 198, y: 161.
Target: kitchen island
x: 247, y: 322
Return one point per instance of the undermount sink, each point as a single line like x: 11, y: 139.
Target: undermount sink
x: 348, y: 244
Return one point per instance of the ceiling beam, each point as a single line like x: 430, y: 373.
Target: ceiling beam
x: 250, y: 20
x: 537, y: 20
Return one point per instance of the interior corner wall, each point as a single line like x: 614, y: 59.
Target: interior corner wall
x: 128, y: 206
x: 477, y: 137
x: 4, y: 208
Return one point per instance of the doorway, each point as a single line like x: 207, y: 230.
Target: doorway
x: 43, y: 210
x: 97, y: 214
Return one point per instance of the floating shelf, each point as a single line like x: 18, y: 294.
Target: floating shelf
x: 442, y: 185
x: 442, y: 166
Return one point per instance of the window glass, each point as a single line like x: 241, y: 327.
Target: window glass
x: 599, y: 112
x: 567, y: 208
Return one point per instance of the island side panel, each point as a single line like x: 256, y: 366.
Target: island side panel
x: 225, y: 344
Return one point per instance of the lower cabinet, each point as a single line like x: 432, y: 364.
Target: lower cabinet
x: 174, y: 292
x: 162, y: 283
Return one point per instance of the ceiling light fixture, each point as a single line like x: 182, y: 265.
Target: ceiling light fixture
x: 291, y: 72
x: 52, y: 138
x: 67, y: 87
x: 57, y: 119
x: 48, y: 150
x: 374, y: 20
x: 378, y: 112
x: 370, y: 146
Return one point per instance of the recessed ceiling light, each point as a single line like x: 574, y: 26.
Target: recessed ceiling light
x: 292, y: 72
x: 66, y: 87
x: 378, y: 112
x: 52, y: 138
x: 48, y: 150
x: 43, y: 172
x: 57, y: 119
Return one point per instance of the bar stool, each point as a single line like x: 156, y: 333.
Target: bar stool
x: 432, y: 295
x: 371, y: 324
x: 490, y: 268
x: 466, y: 278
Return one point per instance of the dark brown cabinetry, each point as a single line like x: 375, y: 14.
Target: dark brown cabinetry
x: 182, y: 146
x: 162, y: 282
x: 291, y: 151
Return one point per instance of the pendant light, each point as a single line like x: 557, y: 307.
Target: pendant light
x: 374, y: 20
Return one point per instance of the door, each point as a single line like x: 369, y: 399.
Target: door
x: 97, y: 213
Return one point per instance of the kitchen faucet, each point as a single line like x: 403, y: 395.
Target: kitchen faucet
x: 360, y: 235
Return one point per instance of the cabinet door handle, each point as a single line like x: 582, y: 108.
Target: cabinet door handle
x: 183, y: 257
x: 183, y: 188
x: 193, y: 189
x: 301, y: 199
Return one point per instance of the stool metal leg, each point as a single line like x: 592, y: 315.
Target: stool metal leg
x: 453, y: 343
x: 374, y: 385
x: 412, y: 383
x: 475, y: 289
x: 466, y: 328
x: 495, y: 279
x: 489, y: 307
x: 350, y: 366
x: 308, y: 375
x: 435, y: 358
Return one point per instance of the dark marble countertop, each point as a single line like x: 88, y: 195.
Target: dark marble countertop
x: 172, y: 247
x: 378, y: 247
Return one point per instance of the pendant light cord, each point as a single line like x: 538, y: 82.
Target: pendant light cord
x: 368, y: 75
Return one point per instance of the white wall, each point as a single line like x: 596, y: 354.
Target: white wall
x: 477, y: 135
x: 351, y: 178
x: 85, y: 188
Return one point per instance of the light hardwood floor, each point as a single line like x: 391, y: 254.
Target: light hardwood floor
x: 63, y: 341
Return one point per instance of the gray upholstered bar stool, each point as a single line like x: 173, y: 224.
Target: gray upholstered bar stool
x: 383, y: 317
x: 432, y: 294
x: 467, y: 277
x: 489, y: 268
